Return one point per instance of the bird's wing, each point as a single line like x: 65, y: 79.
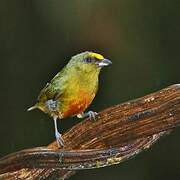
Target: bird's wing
x: 54, y: 89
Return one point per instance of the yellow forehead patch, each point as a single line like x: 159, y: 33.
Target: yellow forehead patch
x: 96, y: 55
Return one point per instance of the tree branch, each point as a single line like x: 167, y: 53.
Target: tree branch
x: 118, y: 133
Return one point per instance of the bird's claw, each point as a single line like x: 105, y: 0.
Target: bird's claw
x: 92, y: 114
x: 89, y: 114
x: 59, y: 139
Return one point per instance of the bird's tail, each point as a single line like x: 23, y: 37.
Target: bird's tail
x: 32, y: 108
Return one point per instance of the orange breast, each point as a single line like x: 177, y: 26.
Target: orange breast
x: 79, y: 104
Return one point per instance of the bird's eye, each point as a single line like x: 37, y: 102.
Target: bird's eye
x: 88, y: 60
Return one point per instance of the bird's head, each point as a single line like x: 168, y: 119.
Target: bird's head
x: 89, y: 62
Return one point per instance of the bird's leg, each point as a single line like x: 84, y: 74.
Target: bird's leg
x: 90, y: 114
x: 58, y: 136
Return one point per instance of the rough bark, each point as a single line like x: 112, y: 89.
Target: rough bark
x: 117, y: 134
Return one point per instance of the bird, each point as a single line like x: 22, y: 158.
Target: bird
x: 72, y: 90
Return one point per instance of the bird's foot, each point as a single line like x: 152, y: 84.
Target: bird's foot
x: 90, y: 114
x: 59, y: 139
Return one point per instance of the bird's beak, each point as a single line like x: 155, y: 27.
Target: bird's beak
x: 104, y: 62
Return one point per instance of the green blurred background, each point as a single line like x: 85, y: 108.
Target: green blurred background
x: 38, y: 37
